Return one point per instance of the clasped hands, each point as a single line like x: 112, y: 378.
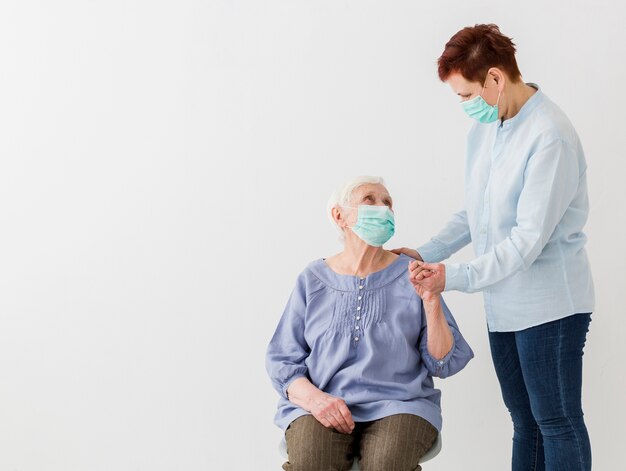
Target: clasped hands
x: 428, y: 279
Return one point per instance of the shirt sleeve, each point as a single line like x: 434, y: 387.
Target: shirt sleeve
x: 452, y: 238
x: 288, y: 350
x: 455, y: 360
x: 551, y: 180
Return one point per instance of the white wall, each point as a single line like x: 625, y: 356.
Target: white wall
x: 164, y: 168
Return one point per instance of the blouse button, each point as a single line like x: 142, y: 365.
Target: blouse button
x: 358, y: 308
x: 360, y: 297
x: 360, y: 286
x: 357, y: 327
x: 356, y: 339
x: 358, y: 318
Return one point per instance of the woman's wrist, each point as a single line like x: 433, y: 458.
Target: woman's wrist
x: 432, y: 305
x: 303, y: 393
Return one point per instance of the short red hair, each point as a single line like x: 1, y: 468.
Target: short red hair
x: 474, y: 50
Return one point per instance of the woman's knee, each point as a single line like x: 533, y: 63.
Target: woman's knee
x: 311, y: 446
x: 556, y: 427
x: 523, y: 421
x: 397, y: 442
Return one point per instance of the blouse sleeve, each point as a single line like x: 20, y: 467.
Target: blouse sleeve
x: 455, y: 360
x: 288, y: 350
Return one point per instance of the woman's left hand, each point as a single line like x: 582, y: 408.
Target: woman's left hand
x: 430, y: 276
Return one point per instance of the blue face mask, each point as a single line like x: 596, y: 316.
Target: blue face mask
x: 375, y: 225
x: 480, y: 110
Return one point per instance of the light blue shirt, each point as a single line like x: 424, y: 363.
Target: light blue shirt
x: 363, y: 340
x: 525, y: 207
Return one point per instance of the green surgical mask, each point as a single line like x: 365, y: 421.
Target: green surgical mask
x: 375, y: 225
x: 480, y: 110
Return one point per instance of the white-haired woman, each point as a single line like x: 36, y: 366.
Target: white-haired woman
x: 355, y: 351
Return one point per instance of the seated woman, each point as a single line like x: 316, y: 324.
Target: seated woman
x: 355, y: 352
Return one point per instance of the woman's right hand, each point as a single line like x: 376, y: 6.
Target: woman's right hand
x: 332, y: 412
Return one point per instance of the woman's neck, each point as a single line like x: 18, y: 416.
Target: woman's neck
x: 517, y: 96
x: 360, y: 259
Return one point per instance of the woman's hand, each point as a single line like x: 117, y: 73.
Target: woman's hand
x: 430, y: 276
x: 428, y: 297
x: 330, y: 411
x: 408, y: 252
x: 440, y: 339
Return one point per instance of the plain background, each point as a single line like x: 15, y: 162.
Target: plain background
x: 164, y: 173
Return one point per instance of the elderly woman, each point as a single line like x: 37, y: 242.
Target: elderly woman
x: 355, y: 352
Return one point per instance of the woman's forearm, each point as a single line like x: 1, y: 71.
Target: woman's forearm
x: 301, y: 392
x: 440, y: 339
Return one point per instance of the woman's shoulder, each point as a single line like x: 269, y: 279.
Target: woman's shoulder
x: 396, y: 275
x: 311, y: 277
x: 550, y: 123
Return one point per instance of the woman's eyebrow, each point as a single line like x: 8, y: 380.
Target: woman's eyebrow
x: 371, y: 195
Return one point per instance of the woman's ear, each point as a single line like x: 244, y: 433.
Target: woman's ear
x: 498, y: 77
x: 337, y: 217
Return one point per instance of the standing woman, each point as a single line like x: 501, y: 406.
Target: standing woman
x: 525, y: 208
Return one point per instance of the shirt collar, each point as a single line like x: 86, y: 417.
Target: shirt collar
x: 374, y: 280
x: 526, y: 109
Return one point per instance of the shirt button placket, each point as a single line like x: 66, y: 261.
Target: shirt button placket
x: 357, y: 328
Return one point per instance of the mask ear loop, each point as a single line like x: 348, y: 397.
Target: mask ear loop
x: 352, y: 207
x: 498, y: 111
x: 483, y: 91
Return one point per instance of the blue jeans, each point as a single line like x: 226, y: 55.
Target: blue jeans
x: 540, y: 374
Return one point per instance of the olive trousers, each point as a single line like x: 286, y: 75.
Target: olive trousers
x: 394, y: 443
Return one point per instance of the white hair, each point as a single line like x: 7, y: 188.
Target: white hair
x: 343, y: 195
